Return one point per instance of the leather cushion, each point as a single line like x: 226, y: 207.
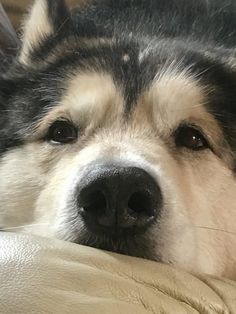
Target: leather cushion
x: 40, y: 275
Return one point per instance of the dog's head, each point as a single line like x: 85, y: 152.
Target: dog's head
x: 110, y: 143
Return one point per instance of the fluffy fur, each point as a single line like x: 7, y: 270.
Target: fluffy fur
x: 128, y: 74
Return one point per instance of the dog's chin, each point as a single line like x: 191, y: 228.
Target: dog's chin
x: 136, y: 246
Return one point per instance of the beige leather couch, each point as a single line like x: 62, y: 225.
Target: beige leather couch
x: 39, y: 275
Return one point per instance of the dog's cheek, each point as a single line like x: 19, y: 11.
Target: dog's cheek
x: 21, y: 181
x: 213, y: 191
x: 176, y: 236
x: 196, y: 190
x: 51, y: 208
x: 24, y: 173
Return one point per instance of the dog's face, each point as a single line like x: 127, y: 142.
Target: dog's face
x: 108, y: 144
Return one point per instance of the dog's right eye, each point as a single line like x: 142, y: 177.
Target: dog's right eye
x: 188, y: 136
x: 62, y: 131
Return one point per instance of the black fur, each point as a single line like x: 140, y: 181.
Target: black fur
x: 197, y: 34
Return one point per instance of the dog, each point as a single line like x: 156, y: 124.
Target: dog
x: 118, y: 130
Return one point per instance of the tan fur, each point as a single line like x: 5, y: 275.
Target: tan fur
x: 175, y: 98
x: 196, y: 232
x: 36, y: 28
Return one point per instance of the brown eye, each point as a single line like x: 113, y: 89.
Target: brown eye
x: 191, y: 138
x: 62, y: 131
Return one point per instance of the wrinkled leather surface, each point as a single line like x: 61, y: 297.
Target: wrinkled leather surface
x: 39, y: 275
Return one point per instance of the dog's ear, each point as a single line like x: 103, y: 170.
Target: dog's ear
x: 46, y: 19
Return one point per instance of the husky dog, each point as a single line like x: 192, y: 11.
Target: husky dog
x: 118, y: 129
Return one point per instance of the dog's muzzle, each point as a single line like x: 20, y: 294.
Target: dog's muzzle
x: 115, y: 200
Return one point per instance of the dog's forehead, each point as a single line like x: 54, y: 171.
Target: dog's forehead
x: 90, y: 96
x: 169, y: 98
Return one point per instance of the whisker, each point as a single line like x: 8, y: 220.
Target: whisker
x: 216, y: 229
x: 22, y: 226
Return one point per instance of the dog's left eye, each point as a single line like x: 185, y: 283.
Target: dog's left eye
x: 62, y: 131
x: 191, y: 138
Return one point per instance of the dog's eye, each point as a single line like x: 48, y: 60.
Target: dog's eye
x: 191, y: 138
x: 62, y: 131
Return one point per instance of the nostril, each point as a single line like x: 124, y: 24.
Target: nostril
x: 141, y: 203
x: 94, y: 202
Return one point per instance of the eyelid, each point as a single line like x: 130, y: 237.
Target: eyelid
x: 193, y: 126
x: 61, y: 119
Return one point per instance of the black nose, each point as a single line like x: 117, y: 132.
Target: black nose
x: 119, y: 200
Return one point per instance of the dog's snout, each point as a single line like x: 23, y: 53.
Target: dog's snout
x: 119, y: 199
